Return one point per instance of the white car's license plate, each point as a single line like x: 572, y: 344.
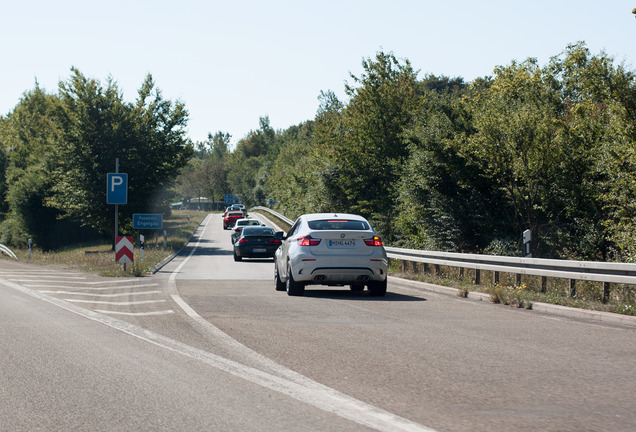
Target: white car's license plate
x: 342, y: 243
x: 259, y: 250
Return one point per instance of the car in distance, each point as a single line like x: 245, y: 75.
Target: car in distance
x: 236, y: 207
x: 240, y: 224
x: 231, y: 217
x: 334, y: 250
x: 257, y: 242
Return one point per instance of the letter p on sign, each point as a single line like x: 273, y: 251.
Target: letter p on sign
x: 116, y: 188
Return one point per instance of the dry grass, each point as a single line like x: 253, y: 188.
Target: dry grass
x: 100, y: 258
x: 510, y: 291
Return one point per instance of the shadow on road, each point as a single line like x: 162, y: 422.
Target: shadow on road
x: 204, y: 248
x: 345, y: 294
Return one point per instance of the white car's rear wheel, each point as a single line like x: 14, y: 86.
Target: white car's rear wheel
x: 377, y: 289
x: 293, y: 288
x: 356, y: 287
x: 280, y: 285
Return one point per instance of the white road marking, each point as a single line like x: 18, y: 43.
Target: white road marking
x: 100, y: 295
x: 91, y: 288
x: 285, y: 381
x: 45, y: 280
x: 164, y: 312
x: 103, y: 282
x: 39, y: 272
x: 301, y: 388
x: 292, y: 383
x: 116, y: 303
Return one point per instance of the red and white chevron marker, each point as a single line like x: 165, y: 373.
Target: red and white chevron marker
x: 124, y: 249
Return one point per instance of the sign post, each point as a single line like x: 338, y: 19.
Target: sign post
x: 116, y: 192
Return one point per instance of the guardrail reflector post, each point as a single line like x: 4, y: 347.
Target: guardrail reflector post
x: 572, y: 287
x: 495, y: 278
x: 544, y: 284
x: 606, y: 292
x: 477, y: 276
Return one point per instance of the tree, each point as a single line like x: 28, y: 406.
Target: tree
x: 446, y: 202
x: 247, y: 167
x: 366, y: 152
x: 96, y: 127
x: 29, y: 135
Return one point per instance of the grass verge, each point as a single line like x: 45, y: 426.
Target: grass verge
x: 99, y: 258
x: 511, y: 291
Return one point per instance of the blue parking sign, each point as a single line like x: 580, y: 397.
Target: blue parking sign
x: 116, y: 188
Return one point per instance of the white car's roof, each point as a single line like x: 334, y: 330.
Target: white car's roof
x: 343, y: 216
x: 247, y: 221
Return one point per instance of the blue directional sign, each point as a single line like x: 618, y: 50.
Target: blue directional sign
x: 231, y: 199
x: 147, y: 221
x: 116, y: 188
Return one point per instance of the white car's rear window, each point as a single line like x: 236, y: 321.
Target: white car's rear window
x: 338, y: 224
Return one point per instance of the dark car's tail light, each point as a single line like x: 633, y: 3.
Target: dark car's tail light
x: 243, y: 240
x: 308, y: 241
x: 275, y: 241
x: 375, y: 241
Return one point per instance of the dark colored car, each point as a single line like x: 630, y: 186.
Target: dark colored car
x: 257, y: 242
x: 240, y: 224
x: 231, y: 217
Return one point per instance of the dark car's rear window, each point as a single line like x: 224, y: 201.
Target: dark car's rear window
x: 257, y: 231
x: 338, y: 224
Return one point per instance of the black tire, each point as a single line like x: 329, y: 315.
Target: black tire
x: 293, y: 288
x: 237, y: 258
x: 356, y: 287
x: 377, y: 289
x: 280, y: 285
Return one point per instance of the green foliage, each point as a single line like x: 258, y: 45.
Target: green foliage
x: 435, y: 163
x: 60, y: 147
x: 364, y: 150
x: 248, y: 165
x: 97, y: 127
x: 29, y: 135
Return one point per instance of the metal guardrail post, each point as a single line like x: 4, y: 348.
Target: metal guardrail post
x: 544, y: 284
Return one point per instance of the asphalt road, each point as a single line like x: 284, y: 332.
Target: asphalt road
x: 208, y: 344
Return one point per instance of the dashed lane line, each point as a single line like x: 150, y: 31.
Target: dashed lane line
x: 101, y: 295
x: 164, y: 312
x: 116, y: 303
x: 73, y: 287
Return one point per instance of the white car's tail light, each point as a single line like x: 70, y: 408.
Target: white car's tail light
x: 375, y: 241
x: 308, y: 241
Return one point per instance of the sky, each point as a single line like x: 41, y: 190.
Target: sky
x: 233, y: 62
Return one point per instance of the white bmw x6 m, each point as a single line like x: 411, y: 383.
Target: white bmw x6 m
x: 331, y: 249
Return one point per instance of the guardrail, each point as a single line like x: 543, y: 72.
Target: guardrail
x: 7, y: 251
x: 605, y: 272
x: 273, y: 213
